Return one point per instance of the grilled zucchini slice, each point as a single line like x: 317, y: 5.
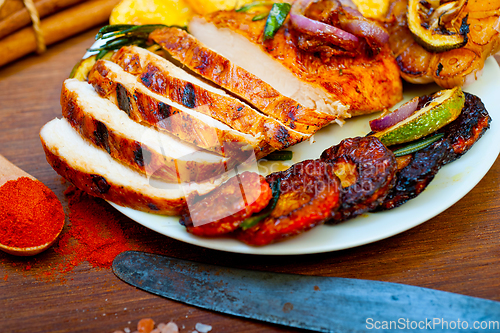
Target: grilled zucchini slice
x: 436, y: 25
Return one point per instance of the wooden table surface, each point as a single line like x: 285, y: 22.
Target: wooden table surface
x: 457, y: 251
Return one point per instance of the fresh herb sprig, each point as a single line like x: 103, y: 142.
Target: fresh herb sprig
x: 118, y: 35
x: 280, y: 155
x: 417, y: 145
x: 276, y: 18
x: 260, y: 16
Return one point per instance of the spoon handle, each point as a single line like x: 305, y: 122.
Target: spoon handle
x: 9, y: 171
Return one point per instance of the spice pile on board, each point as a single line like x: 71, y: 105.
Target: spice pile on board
x: 96, y: 233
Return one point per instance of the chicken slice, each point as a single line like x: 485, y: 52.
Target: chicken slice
x: 142, y: 148
x: 142, y: 105
x: 228, y: 74
x: 92, y: 170
x: 166, y: 79
x: 345, y: 87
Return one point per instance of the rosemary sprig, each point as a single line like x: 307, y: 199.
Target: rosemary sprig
x: 118, y: 35
x: 417, y: 145
x: 280, y: 155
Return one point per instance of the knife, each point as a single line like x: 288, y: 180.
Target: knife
x: 325, y: 304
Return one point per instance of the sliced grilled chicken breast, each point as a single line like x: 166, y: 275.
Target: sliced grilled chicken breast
x: 166, y: 79
x: 142, y: 105
x: 228, y: 74
x: 92, y: 170
x: 142, y: 148
x: 346, y: 86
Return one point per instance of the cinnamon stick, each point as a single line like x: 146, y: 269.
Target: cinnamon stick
x: 10, y: 7
x: 21, y: 18
x: 56, y: 28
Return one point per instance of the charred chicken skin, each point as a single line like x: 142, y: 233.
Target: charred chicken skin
x: 367, y: 169
x: 355, y: 85
x: 308, y: 193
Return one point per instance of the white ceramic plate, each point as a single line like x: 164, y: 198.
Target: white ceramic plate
x: 452, y: 182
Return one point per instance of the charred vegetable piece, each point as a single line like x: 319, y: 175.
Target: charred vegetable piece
x: 394, y: 117
x: 82, y: 69
x: 417, y: 174
x: 253, y: 220
x: 433, y: 26
x: 419, y: 168
x: 309, y: 192
x: 442, y: 108
x: 275, y: 20
x: 367, y: 170
x: 467, y: 128
x: 223, y: 210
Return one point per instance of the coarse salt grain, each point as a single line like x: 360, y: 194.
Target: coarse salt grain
x: 202, y: 328
x: 171, y: 327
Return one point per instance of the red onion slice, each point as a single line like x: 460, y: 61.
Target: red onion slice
x: 394, y: 117
x: 303, y: 23
x: 361, y: 26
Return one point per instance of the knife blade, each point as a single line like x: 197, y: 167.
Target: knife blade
x: 325, y: 304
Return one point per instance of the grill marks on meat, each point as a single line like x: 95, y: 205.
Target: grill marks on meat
x: 222, y: 211
x: 364, y: 84
x: 141, y: 148
x: 215, y: 67
x: 154, y: 110
x: 164, y: 78
x: 367, y: 170
x: 309, y: 192
x: 92, y: 170
x: 420, y: 167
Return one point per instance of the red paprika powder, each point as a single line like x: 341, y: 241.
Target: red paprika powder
x: 30, y: 213
x: 95, y: 234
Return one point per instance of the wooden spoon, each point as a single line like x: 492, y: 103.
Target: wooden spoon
x: 9, y: 171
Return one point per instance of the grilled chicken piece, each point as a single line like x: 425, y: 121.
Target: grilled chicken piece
x: 142, y: 105
x: 230, y: 76
x: 346, y: 86
x: 92, y: 170
x: 142, y: 148
x: 166, y: 79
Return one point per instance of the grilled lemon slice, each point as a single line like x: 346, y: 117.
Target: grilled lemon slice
x: 169, y: 12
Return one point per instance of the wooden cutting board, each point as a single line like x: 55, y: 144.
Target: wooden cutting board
x: 456, y: 251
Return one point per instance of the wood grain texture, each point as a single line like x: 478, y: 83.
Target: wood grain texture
x: 456, y: 251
